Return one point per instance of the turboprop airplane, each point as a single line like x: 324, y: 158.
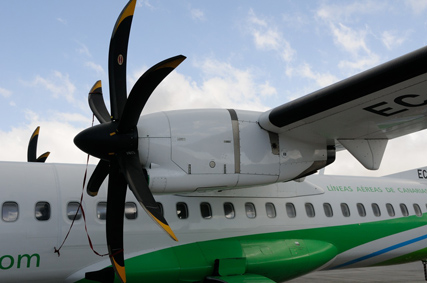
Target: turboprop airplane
x: 227, y: 195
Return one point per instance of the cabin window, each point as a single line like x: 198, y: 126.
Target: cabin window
x: 161, y: 208
x: 229, y: 210
x: 205, y: 210
x: 10, y: 211
x: 182, y: 210
x: 328, y: 209
x: 361, y: 209
x: 42, y: 211
x: 131, y: 210
x: 73, y: 210
x: 309, y: 209
x: 345, y: 210
x: 404, y: 209
x: 290, y: 210
x: 390, y: 209
x: 376, y: 210
x: 250, y: 210
x: 417, y: 209
x: 270, y: 209
x: 101, y: 210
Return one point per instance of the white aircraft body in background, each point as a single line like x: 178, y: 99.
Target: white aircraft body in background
x: 234, y: 187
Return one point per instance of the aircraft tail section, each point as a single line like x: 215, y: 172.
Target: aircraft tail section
x: 417, y: 174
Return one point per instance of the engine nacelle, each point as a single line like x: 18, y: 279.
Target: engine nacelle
x: 220, y: 149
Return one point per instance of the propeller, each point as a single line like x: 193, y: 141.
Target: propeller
x: 115, y: 139
x: 32, y: 148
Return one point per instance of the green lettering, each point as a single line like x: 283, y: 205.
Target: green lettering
x: 10, y: 263
x: 28, y: 257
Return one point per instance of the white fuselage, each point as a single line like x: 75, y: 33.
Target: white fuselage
x: 27, y: 244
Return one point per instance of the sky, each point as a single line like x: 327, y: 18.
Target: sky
x: 251, y: 55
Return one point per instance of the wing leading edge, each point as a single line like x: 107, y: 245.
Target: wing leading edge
x: 362, y: 112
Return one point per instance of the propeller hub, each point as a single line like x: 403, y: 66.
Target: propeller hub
x: 103, y: 141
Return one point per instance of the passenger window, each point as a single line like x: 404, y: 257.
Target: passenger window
x: 328, y: 209
x: 270, y: 209
x: 161, y: 208
x: 42, y: 211
x: 309, y: 209
x: 101, y: 210
x: 229, y: 210
x: 404, y: 209
x: 390, y: 209
x: 376, y: 210
x: 345, y: 210
x: 205, y: 210
x: 10, y: 211
x: 250, y: 210
x: 72, y: 208
x: 417, y: 209
x: 290, y: 210
x: 131, y: 210
x: 361, y: 209
x: 182, y: 210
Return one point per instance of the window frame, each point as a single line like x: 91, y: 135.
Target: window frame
x: 206, y: 210
x: 345, y: 209
x: 182, y: 213
x: 250, y: 210
x: 9, y: 204
x: 290, y: 210
x: 390, y: 210
x: 70, y: 214
x: 39, y: 206
x: 309, y: 209
x: 376, y: 209
x: 361, y: 209
x: 270, y: 210
x: 232, y: 212
x: 327, y: 207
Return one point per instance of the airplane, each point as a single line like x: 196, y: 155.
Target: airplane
x: 227, y: 195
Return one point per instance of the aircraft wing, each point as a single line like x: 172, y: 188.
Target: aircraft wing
x: 361, y: 112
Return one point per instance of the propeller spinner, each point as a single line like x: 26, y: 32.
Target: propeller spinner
x: 115, y: 140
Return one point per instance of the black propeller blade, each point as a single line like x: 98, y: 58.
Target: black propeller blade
x: 115, y: 140
x: 32, y: 148
x: 97, y: 104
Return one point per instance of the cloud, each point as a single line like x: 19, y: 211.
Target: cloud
x: 351, y: 38
x: 59, y: 85
x: 417, y: 6
x: 345, y: 12
x: 83, y: 49
x: 56, y: 136
x: 391, y: 39
x: 96, y: 67
x: 269, y: 38
x: 5, y: 93
x: 197, y: 14
x: 61, y: 20
x: 305, y: 71
x: 223, y: 86
x: 352, y: 41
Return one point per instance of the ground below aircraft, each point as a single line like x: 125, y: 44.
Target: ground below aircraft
x: 228, y: 195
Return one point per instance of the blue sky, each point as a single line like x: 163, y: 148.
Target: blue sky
x: 241, y: 54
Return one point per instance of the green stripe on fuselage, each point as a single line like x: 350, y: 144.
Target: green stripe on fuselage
x: 273, y: 255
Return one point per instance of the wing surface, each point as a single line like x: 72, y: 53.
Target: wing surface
x: 385, y: 102
x: 360, y: 113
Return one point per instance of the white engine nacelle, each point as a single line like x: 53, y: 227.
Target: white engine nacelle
x: 220, y: 149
